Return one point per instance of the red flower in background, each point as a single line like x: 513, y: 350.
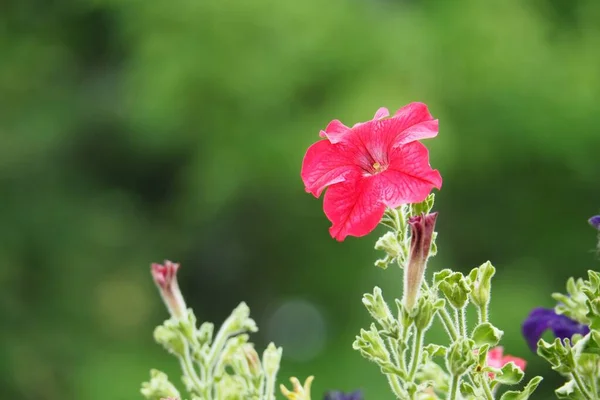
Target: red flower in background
x: 372, y: 165
x: 497, y: 359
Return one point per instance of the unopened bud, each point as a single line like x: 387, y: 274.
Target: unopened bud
x: 460, y: 357
x: 159, y: 387
x: 378, y: 309
x: 481, y: 284
x: 253, y: 360
x: 165, y: 278
x: 271, y: 359
x: 454, y: 286
x: 422, y: 227
x: 170, y: 339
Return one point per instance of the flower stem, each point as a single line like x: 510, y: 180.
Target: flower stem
x: 397, y: 358
x: 416, y: 356
x: 462, y: 321
x: 581, y: 386
x: 453, y: 392
x: 396, y: 387
x: 270, y: 388
x: 448, y: 324
x: 594, y: 385
x: 486, y: 389
x: 187, y: 366
x: 483, y: 314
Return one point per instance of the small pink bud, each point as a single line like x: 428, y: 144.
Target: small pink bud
x: 421, y: 227
x: 165, y: 277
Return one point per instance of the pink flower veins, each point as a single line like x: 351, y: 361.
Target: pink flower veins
x: 372, y: 165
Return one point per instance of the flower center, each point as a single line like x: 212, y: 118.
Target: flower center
x: 377, y: 168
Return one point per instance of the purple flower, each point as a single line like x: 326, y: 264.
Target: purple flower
x: 335, y: 395
x: 542, y: 319
x: 595, y: 221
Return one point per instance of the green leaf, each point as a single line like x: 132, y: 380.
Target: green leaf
x: 435, y: 350
x: 511, y: 374
x: 467, y: 389
x: 525, y: 393
x: 569, y: 391
x: 486, y: 333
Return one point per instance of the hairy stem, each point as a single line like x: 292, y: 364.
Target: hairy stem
x: 482, y: 314
x: 416, y: 354
x: 187, y: 365
x: 462, y: 321
x: 270, y: 388
x: 453, y: 391
x: 397, y: 358
x: 486, y: 389
x: 581, y: 386
x: 396, y: 387
x: 448, y: 324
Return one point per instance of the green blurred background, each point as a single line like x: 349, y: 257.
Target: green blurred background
x: 134, y: 131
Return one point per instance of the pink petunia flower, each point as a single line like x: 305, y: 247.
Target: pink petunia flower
x: 372, y: 165
x: 496, y: 359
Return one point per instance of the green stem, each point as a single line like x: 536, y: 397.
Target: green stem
x: 453, y: 392
x: 397, y: 359
x: 270, y: 388
x: 462, y: 321
x: 405, y: 332
x: 581, y: 386
x: 448, y: 324
x: 396, y: 387
x: 187, y: 365
x: 416, y: 356
x: 486, y: 389
x: 594, y: 385
x: 483, y: 314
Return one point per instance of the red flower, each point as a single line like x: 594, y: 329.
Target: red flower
x: 372, y: 165
x: 496, y: 359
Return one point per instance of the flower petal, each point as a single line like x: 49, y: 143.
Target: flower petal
x: 325, y: 164
x: 536, y: 323
x: 409, y: 177
x: 412, y: 122
x: 564, y: 327
x: 494, y: 357
x: 334, y: 131
x: 595, y: 221
x: 353, y: 206
x: 381, y: 113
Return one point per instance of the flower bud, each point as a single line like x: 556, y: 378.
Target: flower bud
x: 159, y: 387
x: 371, y: 345
x: 481, y: 284
x: 389, y: 243
x: 170, y: 339
x: 271, y: 359
x: 240, y: 321
x: 454, y: 286
x: 252, y: 359
x: 460, y: 357
x: 205, y: 333
x: 425, y: 311
x: 422, y: 227
x: 378, y: 309
x: 165, y: 278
